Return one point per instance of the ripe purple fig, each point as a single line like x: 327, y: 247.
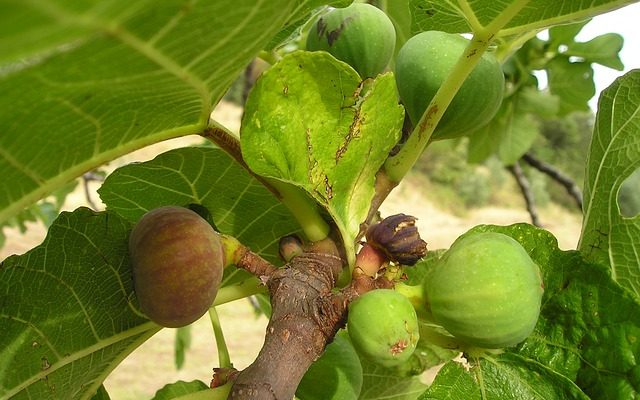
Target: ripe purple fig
x: 177, y: 261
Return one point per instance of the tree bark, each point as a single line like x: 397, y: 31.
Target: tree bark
x: 306, y: 316
x: 525, y: 188
x: 557, y: 175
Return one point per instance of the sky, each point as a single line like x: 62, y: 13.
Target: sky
x: 625, y: 21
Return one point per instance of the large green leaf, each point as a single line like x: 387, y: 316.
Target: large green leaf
x: 585, y: 339
x: 508, y: 377
x: 381, y: 383
x: 454, y: 16
x: 323, y: 130
x: 238, y: 203
x: 84, y: 82
x: 614, y: 155
x: 67, y: 310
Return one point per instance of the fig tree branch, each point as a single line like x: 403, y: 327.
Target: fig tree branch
x: 527, y: 193
x: 557, y: 175
x: 306, y: 310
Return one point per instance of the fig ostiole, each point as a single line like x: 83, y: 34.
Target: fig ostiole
x: 383, y: 327
x: 177, y: 261
x: 486, y: 291
x: 360, y: 35
x: 422, y: 65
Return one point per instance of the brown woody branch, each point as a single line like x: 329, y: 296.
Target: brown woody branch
x: 557, y: 175
x: 306, y: 315
x: 527, y: 193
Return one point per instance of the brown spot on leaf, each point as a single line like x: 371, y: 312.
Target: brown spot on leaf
x: 328, y: 189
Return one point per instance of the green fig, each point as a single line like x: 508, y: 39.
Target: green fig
x: 485, y: 290
x: 360, y: 35
x: 383, y: 327
x: 422, y: 65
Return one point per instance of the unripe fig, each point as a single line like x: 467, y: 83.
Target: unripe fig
x: 485, y: 290
x: 383, y: 327
x: 177, y: 261
x: 360, y: 35
x: 422, y: 65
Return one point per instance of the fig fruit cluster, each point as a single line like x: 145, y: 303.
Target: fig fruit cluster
x: 383, y: 327
x: 178, y: 261
x: 485, y: 290
x: 360, y: 35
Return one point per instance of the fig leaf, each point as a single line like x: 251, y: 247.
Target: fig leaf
x: 244, y: 209
x: 324, y: 131
x: 82, y: 267
x: 608, y: 237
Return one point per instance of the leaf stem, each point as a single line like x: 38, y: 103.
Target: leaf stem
x: 469, y: 15
x: 244, y: 289
x: 303, y: 208
x: 224, y: 359
x: 397, y: 166
x: 219, y: 393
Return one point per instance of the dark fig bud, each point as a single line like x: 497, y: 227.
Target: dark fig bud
x: 397, y: 236
x: 289, y: 247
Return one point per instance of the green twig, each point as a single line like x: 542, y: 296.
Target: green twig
x: 246, y: 288
x: 304, y: 209
x: 397, y: 166
x: 223, y: 352
x: 219, y: 393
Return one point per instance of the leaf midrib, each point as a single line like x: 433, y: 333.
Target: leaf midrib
x: 150, y: 52
x: 146, y: 330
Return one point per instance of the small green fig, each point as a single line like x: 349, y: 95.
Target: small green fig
x: 177, y: 261
x: 422, y: 65
x: 360, y: 35
x: 383, y: 327
x: 485, y: 290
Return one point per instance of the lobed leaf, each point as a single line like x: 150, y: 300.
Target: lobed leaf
x: 462, y: 16
x: 504, y: 378
x: 67, y: 310
x: 82, y: 83
x: 324, y: 131
x: 608, y: 237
